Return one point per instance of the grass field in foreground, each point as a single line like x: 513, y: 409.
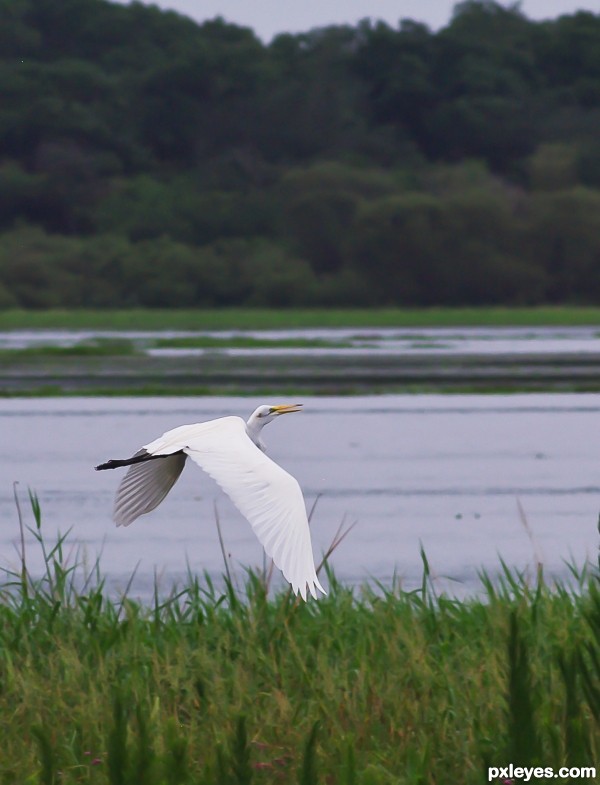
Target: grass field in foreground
x: 363, y: 687
x: 247, y: 319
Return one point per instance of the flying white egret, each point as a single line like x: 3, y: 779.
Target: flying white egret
x: 232, y: 453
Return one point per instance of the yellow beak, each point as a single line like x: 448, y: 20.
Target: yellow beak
x: 286, y: 408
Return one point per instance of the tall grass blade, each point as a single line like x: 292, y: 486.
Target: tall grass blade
x: 117, y: 746
x: 349, y: 770
x: 339, y: 536
x: 522, y: 732
x: 144, y: 756
x: 240, y: 754
x: 222, y: 544
x: 308, y: 770
x: 36, y: 508
x: 575, y: 744
x: 48, y: 774
x: 176, y: 758
x: 314, y: 507
x: 22, y: 536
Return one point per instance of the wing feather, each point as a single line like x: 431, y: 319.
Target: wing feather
x: 145, y: 485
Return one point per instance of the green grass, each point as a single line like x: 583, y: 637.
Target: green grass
x: 242, y: 342
x: 370, y: 687
x: 99, y: 347
x: 246, y: 318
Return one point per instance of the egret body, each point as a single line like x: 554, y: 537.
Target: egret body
x: 232, y: 453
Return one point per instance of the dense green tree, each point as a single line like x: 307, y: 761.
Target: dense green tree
x: 319, y: 204
x: 397, y: 67
x: 149, y: 160
x: 564, y: 232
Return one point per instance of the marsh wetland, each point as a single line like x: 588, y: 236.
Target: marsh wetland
x: 462, y: 625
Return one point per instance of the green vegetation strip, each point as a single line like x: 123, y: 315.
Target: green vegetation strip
x: 105, y: 347
x: 98, y: 348
x: 369, y: 687
x: 243, y: 342
x: 262, y: 319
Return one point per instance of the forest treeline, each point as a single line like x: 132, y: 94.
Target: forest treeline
x: 147, y: 160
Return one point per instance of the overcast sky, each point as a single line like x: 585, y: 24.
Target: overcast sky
x: 268, y: 17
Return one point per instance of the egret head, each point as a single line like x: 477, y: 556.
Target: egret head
x: 265, y: 414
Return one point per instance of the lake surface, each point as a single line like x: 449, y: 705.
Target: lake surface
x: 444, y: 471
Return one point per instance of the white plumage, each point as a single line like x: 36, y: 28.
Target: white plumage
x: 231, y: 452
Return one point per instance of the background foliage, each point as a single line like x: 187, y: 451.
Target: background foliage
x: 146, y: 160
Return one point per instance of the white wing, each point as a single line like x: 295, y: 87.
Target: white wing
x: 263, y: 492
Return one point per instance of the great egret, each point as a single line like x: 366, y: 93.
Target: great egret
x: 232, y: 453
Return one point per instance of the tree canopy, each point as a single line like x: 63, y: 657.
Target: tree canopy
x: 149, y: 160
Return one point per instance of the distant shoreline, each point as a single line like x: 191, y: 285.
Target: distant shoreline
x: 263, y: 319
x: 218, y: 373
x: 229, y: 355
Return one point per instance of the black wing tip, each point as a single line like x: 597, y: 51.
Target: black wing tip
x: 139, y: 457
x: 112, y: 464
x: 116, y: 463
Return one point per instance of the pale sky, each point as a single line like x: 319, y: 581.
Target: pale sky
x: 269, y: 17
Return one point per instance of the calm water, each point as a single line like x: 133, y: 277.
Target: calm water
x: 444, y: 471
